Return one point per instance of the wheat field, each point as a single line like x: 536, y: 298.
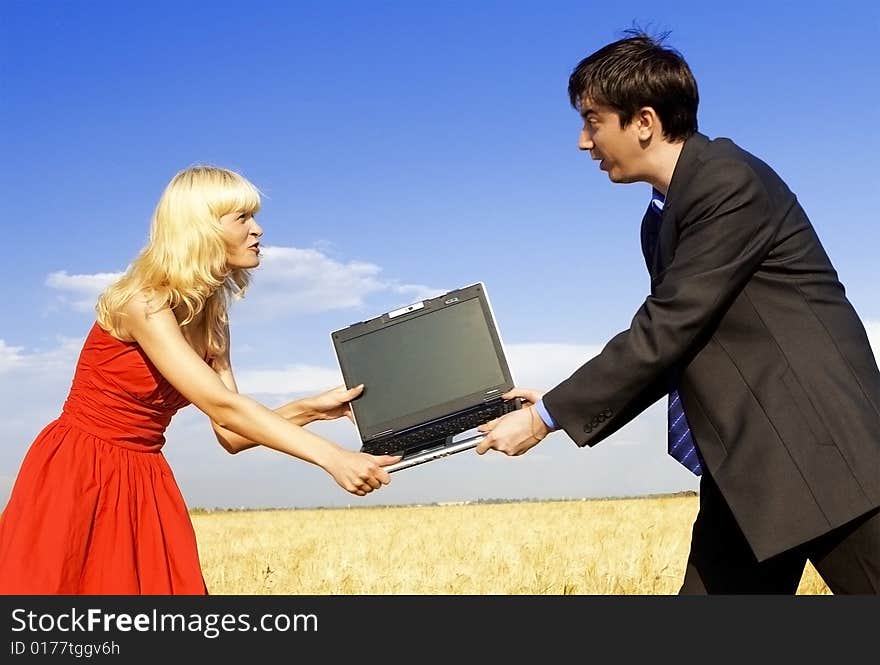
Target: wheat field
x: 593, y: 547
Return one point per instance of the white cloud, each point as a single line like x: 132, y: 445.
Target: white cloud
x: 80, y: 292
x: 307, y: 280
x: 542, y: 366
x: 62, y: 356
x: 414, y: 292
x: 289, y: 380
x: 10, y: 356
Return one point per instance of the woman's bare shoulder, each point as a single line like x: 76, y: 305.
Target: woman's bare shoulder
x: 141, y: 306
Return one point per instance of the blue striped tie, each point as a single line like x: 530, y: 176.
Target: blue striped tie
x: 681, y: 442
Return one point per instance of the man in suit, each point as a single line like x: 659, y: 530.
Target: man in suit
x: 774, y: 392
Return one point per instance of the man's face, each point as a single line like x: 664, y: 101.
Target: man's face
x: 618, y: 150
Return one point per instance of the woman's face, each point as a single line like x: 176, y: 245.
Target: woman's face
x: 242, y: 234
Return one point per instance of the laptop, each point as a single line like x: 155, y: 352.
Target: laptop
x: 431, y: 370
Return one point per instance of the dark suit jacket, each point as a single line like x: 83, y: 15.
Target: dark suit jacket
x: 748, y: 319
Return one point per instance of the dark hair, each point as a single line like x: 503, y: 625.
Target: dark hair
x: 638, y: 71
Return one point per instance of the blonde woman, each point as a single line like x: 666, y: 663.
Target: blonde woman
x: 95, y: 508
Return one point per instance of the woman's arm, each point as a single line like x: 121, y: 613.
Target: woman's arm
x: 159, y: 335
x: 325, y: 406
x: 294, y: 412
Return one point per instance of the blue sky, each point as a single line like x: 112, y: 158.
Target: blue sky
x: 404, y: 149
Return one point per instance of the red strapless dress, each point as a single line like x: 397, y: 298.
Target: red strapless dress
x: 95, y: 508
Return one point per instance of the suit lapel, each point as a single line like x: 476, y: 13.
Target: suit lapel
x: 648, y: 241
x: 685, y: 169
x: 667, y: 239
x: 667, y: 236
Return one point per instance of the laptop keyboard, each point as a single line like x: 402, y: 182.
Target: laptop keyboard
x: 441, y: 430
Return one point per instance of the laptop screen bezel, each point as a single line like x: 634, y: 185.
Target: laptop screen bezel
x: 408, y: 421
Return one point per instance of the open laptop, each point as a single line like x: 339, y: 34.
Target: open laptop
x: 431, y: 371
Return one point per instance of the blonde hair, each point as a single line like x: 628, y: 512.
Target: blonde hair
x: 184, y: 264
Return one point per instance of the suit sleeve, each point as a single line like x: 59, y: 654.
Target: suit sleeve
x: 725, y: 230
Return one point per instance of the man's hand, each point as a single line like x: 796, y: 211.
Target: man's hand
x: 518, y: 431
x: 531, y: 397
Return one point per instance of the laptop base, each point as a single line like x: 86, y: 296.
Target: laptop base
x: 435, y: 452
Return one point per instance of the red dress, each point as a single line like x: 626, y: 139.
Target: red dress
x: 95, y: 508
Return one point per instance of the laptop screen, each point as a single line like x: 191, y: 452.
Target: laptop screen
x: 425, y: 364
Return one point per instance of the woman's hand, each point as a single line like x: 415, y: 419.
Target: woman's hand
x: 333, y: 403
x: 360, y: 473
